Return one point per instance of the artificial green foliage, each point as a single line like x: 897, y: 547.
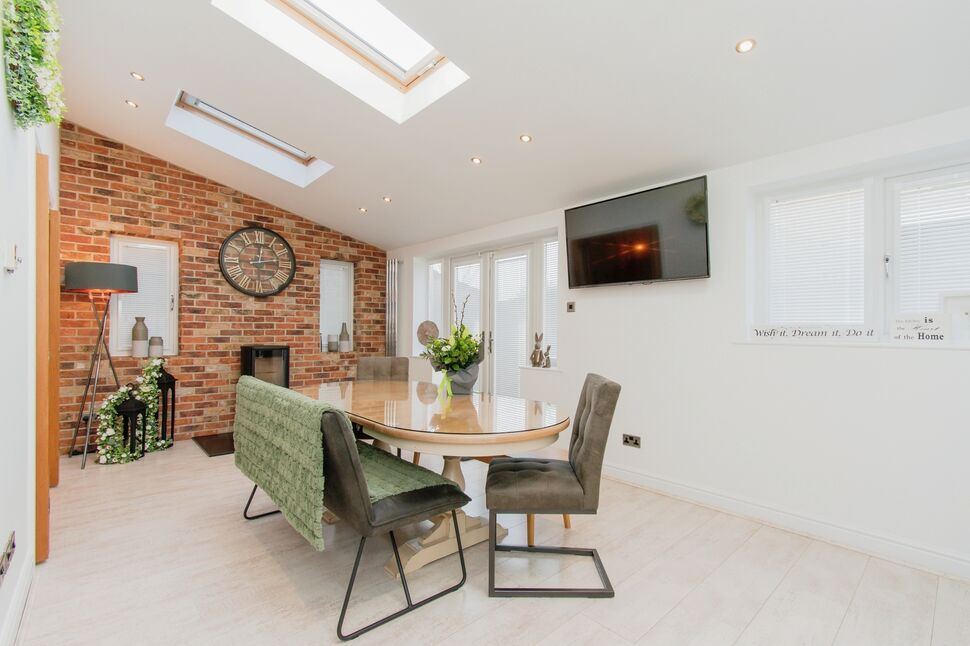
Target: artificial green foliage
x: 457, y: 351
x: 31, y: 29
x: 111, y: 446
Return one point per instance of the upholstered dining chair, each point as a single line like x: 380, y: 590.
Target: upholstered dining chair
x: 541, y: 486
x: 382, y: 369
x: 348, y: 495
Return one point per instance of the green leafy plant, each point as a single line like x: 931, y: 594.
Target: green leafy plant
x: 31, y: 29
x: 111, y: 446
x: 457, y: 351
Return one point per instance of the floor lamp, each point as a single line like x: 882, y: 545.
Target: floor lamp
x: 94, y: 278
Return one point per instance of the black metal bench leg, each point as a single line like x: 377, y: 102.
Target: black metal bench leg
x: 606, y: 591
x: 250, y: 501
x: 404, y: 583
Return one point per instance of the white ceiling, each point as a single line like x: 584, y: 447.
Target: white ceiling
x: 617, y: 94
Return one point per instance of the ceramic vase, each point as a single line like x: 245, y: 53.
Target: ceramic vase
x: 156, y: 347
x: 344, y: 339
x: 139, y: 338
x: 333, y: 343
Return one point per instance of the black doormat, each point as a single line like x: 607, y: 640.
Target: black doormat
x: 218, y: 444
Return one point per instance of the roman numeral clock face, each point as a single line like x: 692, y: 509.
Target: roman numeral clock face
x: 257, y: 261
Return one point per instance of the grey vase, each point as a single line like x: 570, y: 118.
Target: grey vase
x: 139, y: 338
x: 344, y: 339
x: 462, y: 381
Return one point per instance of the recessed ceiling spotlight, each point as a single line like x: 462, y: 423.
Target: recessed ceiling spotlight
x: 745, y: 46
x: 137, y: 76
x: 476, y: 160
x: 363, y: 209
x: 130, y: 103
x: 386, y: 199
x: 525, y: 138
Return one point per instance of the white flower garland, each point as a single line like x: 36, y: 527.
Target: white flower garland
x: 111, y: 447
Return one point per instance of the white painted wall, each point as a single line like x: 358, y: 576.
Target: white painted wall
x: 863, y: 446
x: 17, y: 369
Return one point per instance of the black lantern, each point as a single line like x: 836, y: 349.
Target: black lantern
x: 130, y: 410
x: 166, y: 392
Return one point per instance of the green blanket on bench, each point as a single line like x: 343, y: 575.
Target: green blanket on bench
x: 279, y: 446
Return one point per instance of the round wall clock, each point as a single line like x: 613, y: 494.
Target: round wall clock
x: 257, y: 261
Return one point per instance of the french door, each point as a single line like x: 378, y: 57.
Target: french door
x: 494, y: 289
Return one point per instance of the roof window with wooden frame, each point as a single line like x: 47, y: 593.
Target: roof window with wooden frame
x: 359, y: 45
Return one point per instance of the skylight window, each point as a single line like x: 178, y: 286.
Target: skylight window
x: 375, y: 33
x: 187, y: 101
x: 357, y: 44
x: 217, y: 128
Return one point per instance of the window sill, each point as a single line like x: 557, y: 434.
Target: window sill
x: 831, y: 344
x: 552, y: 369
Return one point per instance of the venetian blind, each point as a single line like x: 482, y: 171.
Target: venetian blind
x: 932, y: 239
x: 157, y: 295
x: 815, y: 259
x: 512, y: 340
x: 550, y: 297
x: 336, y: 297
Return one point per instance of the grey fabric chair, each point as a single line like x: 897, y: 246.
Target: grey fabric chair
x: 382, y: 368
x: 346, y: 494
x: 539, y: 486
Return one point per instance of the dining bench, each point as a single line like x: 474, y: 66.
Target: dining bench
x: 302, y: 453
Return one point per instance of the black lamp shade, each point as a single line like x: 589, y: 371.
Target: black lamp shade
x: 100, y: 277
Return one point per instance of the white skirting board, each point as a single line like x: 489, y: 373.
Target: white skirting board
x: 21, y: 587
x: 888, y: 547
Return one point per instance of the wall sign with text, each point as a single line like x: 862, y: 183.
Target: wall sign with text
x: 835, y: 333
x: 930, y: 328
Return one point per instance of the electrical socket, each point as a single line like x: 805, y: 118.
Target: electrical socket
x: 631, y: 440
x: 7, y: 556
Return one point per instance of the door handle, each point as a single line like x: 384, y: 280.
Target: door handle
x: 490, y: 339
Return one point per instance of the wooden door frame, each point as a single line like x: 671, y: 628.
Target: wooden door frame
x: 47, y: 354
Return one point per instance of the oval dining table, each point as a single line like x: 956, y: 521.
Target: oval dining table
x: 411, y: 415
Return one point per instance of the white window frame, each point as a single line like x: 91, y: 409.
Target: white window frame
x: 350, y: 298
x: 117, y: 335
x: 881, y: 239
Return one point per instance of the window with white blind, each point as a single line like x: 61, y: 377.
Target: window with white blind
x: 436, y: 302
x: 510, y: 319
x: 157, y: 296
x: 931, y: 220
x: 886, y: 258
x: 336, y: 298
x: 550, y: 297
x: 814, y: 268
x: 467, y: 284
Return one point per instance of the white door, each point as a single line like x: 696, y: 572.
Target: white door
x: 508, y: 332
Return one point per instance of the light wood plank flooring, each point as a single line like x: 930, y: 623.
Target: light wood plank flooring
x: 157, y: 552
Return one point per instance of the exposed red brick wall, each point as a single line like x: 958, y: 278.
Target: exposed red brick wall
x: 110, y: 188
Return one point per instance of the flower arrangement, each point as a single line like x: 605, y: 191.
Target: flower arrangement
x: 111, y: 445
x: 31, y: 29
x: 459, y: 351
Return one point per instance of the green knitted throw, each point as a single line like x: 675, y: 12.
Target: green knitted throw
x: 279, y: 446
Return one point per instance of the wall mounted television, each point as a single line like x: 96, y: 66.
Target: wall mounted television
x: 654, y: 235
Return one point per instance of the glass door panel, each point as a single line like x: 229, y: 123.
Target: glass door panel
x: 510, y: 320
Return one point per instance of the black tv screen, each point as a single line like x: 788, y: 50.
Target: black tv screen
x: 653, y: 235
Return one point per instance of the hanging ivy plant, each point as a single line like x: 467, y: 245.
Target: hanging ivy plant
x: 112, y: 448
x: 31, y: 29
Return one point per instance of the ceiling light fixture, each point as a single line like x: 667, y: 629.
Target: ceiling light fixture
x: 476, y: 160
x: 745, y: 46
x: 525, y: 138
x: 362, y: 209
x: 130, y: 103
x: 386, y: 199
x: 137, y: 76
